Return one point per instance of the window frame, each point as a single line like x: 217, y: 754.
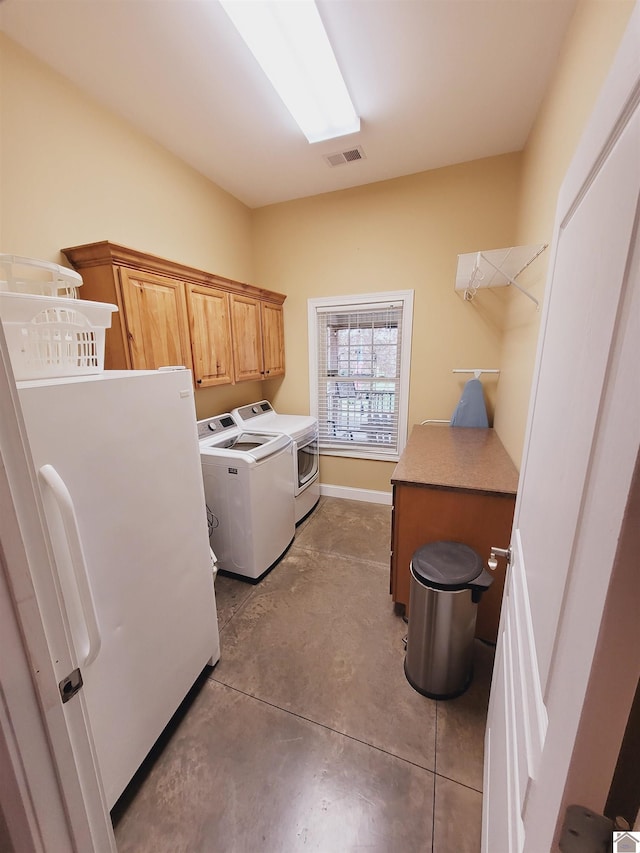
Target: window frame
x: 360, y: 302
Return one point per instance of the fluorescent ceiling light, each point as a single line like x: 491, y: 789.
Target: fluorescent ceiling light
x: 289, y: 41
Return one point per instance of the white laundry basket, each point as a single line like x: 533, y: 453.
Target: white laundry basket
x: 50, y: 337
x: 42, y: 278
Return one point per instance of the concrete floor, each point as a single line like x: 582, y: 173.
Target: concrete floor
x: 306, y: 735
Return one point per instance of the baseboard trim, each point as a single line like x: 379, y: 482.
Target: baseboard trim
x: 368, y: 495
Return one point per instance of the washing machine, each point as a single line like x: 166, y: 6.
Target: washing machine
x: 303, y: 430
x: 248, y: 481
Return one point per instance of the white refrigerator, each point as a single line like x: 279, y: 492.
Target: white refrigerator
x: 118, y: 466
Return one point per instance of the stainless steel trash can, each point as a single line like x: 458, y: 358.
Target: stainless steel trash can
x: 447, y: 582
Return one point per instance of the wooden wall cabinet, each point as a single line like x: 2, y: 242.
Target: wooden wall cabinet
x: 454, y: 484
x: 210, y: 326
x: 258, y: 334
x: 169, y: 314
x: 272, y: 318
x: 157, y: 326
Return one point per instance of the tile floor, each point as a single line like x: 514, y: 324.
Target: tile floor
x: 306, y: 736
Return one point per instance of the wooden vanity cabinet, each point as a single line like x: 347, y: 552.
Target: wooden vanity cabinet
x: 456, y: 484
x: 225, y: 331
x: 258, y: 334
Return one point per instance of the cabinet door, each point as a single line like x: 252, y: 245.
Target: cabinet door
x: 272, y: 339
x: 247, y: 338
x: 156, y: 320
x: 210, y: 325
x: 423, y: 514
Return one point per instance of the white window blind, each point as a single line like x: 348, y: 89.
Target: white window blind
x: 360, y: 361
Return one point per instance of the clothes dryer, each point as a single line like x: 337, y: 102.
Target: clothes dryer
x: 303, y: 430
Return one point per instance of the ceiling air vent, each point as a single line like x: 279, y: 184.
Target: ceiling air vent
x: 348, y: 156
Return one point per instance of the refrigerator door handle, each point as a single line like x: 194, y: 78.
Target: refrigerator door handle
x: 62, y: 497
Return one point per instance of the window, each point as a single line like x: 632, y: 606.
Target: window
x: 359, y: 348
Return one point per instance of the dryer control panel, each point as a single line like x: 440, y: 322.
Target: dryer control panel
x: 254, y: 409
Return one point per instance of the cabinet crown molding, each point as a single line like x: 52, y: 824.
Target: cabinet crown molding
x: 105, y: 252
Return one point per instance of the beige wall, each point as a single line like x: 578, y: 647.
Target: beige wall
x: 593, y: 38
x: 72, y: 173
x: 400, y: 234
x: 406, y: 233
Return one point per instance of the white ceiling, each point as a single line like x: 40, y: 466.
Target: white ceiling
x: 435, y: 82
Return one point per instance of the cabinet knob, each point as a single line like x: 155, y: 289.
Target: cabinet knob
x: 199, y: 381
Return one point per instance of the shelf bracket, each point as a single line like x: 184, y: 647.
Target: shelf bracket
x: 511, y: 280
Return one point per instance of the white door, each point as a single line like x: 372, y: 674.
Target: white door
x: 581, y: 449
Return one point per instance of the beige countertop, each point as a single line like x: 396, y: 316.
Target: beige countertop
x: 456, y: 458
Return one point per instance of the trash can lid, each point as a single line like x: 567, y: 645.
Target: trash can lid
x: 446, y: 565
